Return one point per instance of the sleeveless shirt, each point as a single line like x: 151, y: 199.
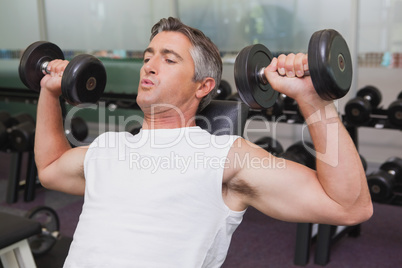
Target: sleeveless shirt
x: 154, y: 200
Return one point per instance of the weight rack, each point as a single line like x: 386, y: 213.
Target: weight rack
x: 31, y: 182
x: 327, y: 235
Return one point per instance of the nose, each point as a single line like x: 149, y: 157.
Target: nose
x: 150, y: 66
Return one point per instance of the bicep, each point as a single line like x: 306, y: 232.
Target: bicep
x: 283, y: 189
x: 66, y: 174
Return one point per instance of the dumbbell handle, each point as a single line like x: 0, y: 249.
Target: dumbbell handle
x: 263, y: 79
x: 43, y: 67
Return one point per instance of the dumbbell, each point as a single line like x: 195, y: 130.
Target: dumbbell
x: 78, y: 129
x: 6, y: 122
x: 330, y: 68
x: 134, y: 129
x: 16, y: 132
x: 84, y: 78
x: 223, y: 91
x: 21, y: 136
x: 395, y: 112
x: 277, y: 108
x: 358, y: 109
x: 298, y: 152
x: 270, y: 145
x: 382, y: 182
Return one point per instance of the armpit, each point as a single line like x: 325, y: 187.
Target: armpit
x: 241, y: 187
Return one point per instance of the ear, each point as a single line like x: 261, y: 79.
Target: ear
x: 205, y: 87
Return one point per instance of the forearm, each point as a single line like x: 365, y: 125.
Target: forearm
x: 339, y: 168
x: 50, y: 139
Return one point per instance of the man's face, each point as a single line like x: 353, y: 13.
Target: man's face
x: 167, y: 74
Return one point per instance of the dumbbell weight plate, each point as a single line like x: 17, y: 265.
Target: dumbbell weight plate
x: 223, y: 91
x: 43, y: 243
x: 374, y: 94
x: 7, y: 120
x: 395, y: 164
x: 248, y: 63
x: 395, y: 112
x: 84, y: 80
x: 299, y: 153
x: 22, y: 117
x: 78, y: 129
x: 32, y: 59
x: 330, y: 64
x: 22, y: 136
x: 380, y: 185
x: 277, y: 109
x: 357, y: 111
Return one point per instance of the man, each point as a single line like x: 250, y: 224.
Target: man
x: 142, y: 210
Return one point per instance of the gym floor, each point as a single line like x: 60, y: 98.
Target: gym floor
x: 259, y: 241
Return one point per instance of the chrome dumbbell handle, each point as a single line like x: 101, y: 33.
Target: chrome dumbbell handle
x: 43, y: 67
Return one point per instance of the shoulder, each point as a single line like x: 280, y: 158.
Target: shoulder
x: 243, y: 149
x: 243, y: 156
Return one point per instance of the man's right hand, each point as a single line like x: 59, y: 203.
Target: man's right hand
x: 52, y: 82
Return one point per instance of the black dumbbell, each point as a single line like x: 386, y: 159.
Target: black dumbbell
x: 277, y: 109
x: 395, y: 112
x: 223, y: 91
x: 299, y: 153
x: 22, y: 135
x: 134, y: 129
x: 84, y: 78
x: 330, y: 67
x: 6, y: 121
x: 77, y: 129
x: 358, y: 109
x: 270, y: 145
x: 382, y: 182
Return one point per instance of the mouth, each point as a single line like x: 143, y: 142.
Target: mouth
x: 146, y: 83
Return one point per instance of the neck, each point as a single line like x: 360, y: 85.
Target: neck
x: 169, y: 119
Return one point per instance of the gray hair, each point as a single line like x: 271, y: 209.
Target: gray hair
x: 205, y: 54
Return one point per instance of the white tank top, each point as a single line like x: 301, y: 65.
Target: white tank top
x: 154, y: 200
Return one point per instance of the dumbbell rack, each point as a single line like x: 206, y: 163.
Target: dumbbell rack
x: 29, y: 185
x: 378, y: 120
x: 14, y: 183
x: 327, y: 235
